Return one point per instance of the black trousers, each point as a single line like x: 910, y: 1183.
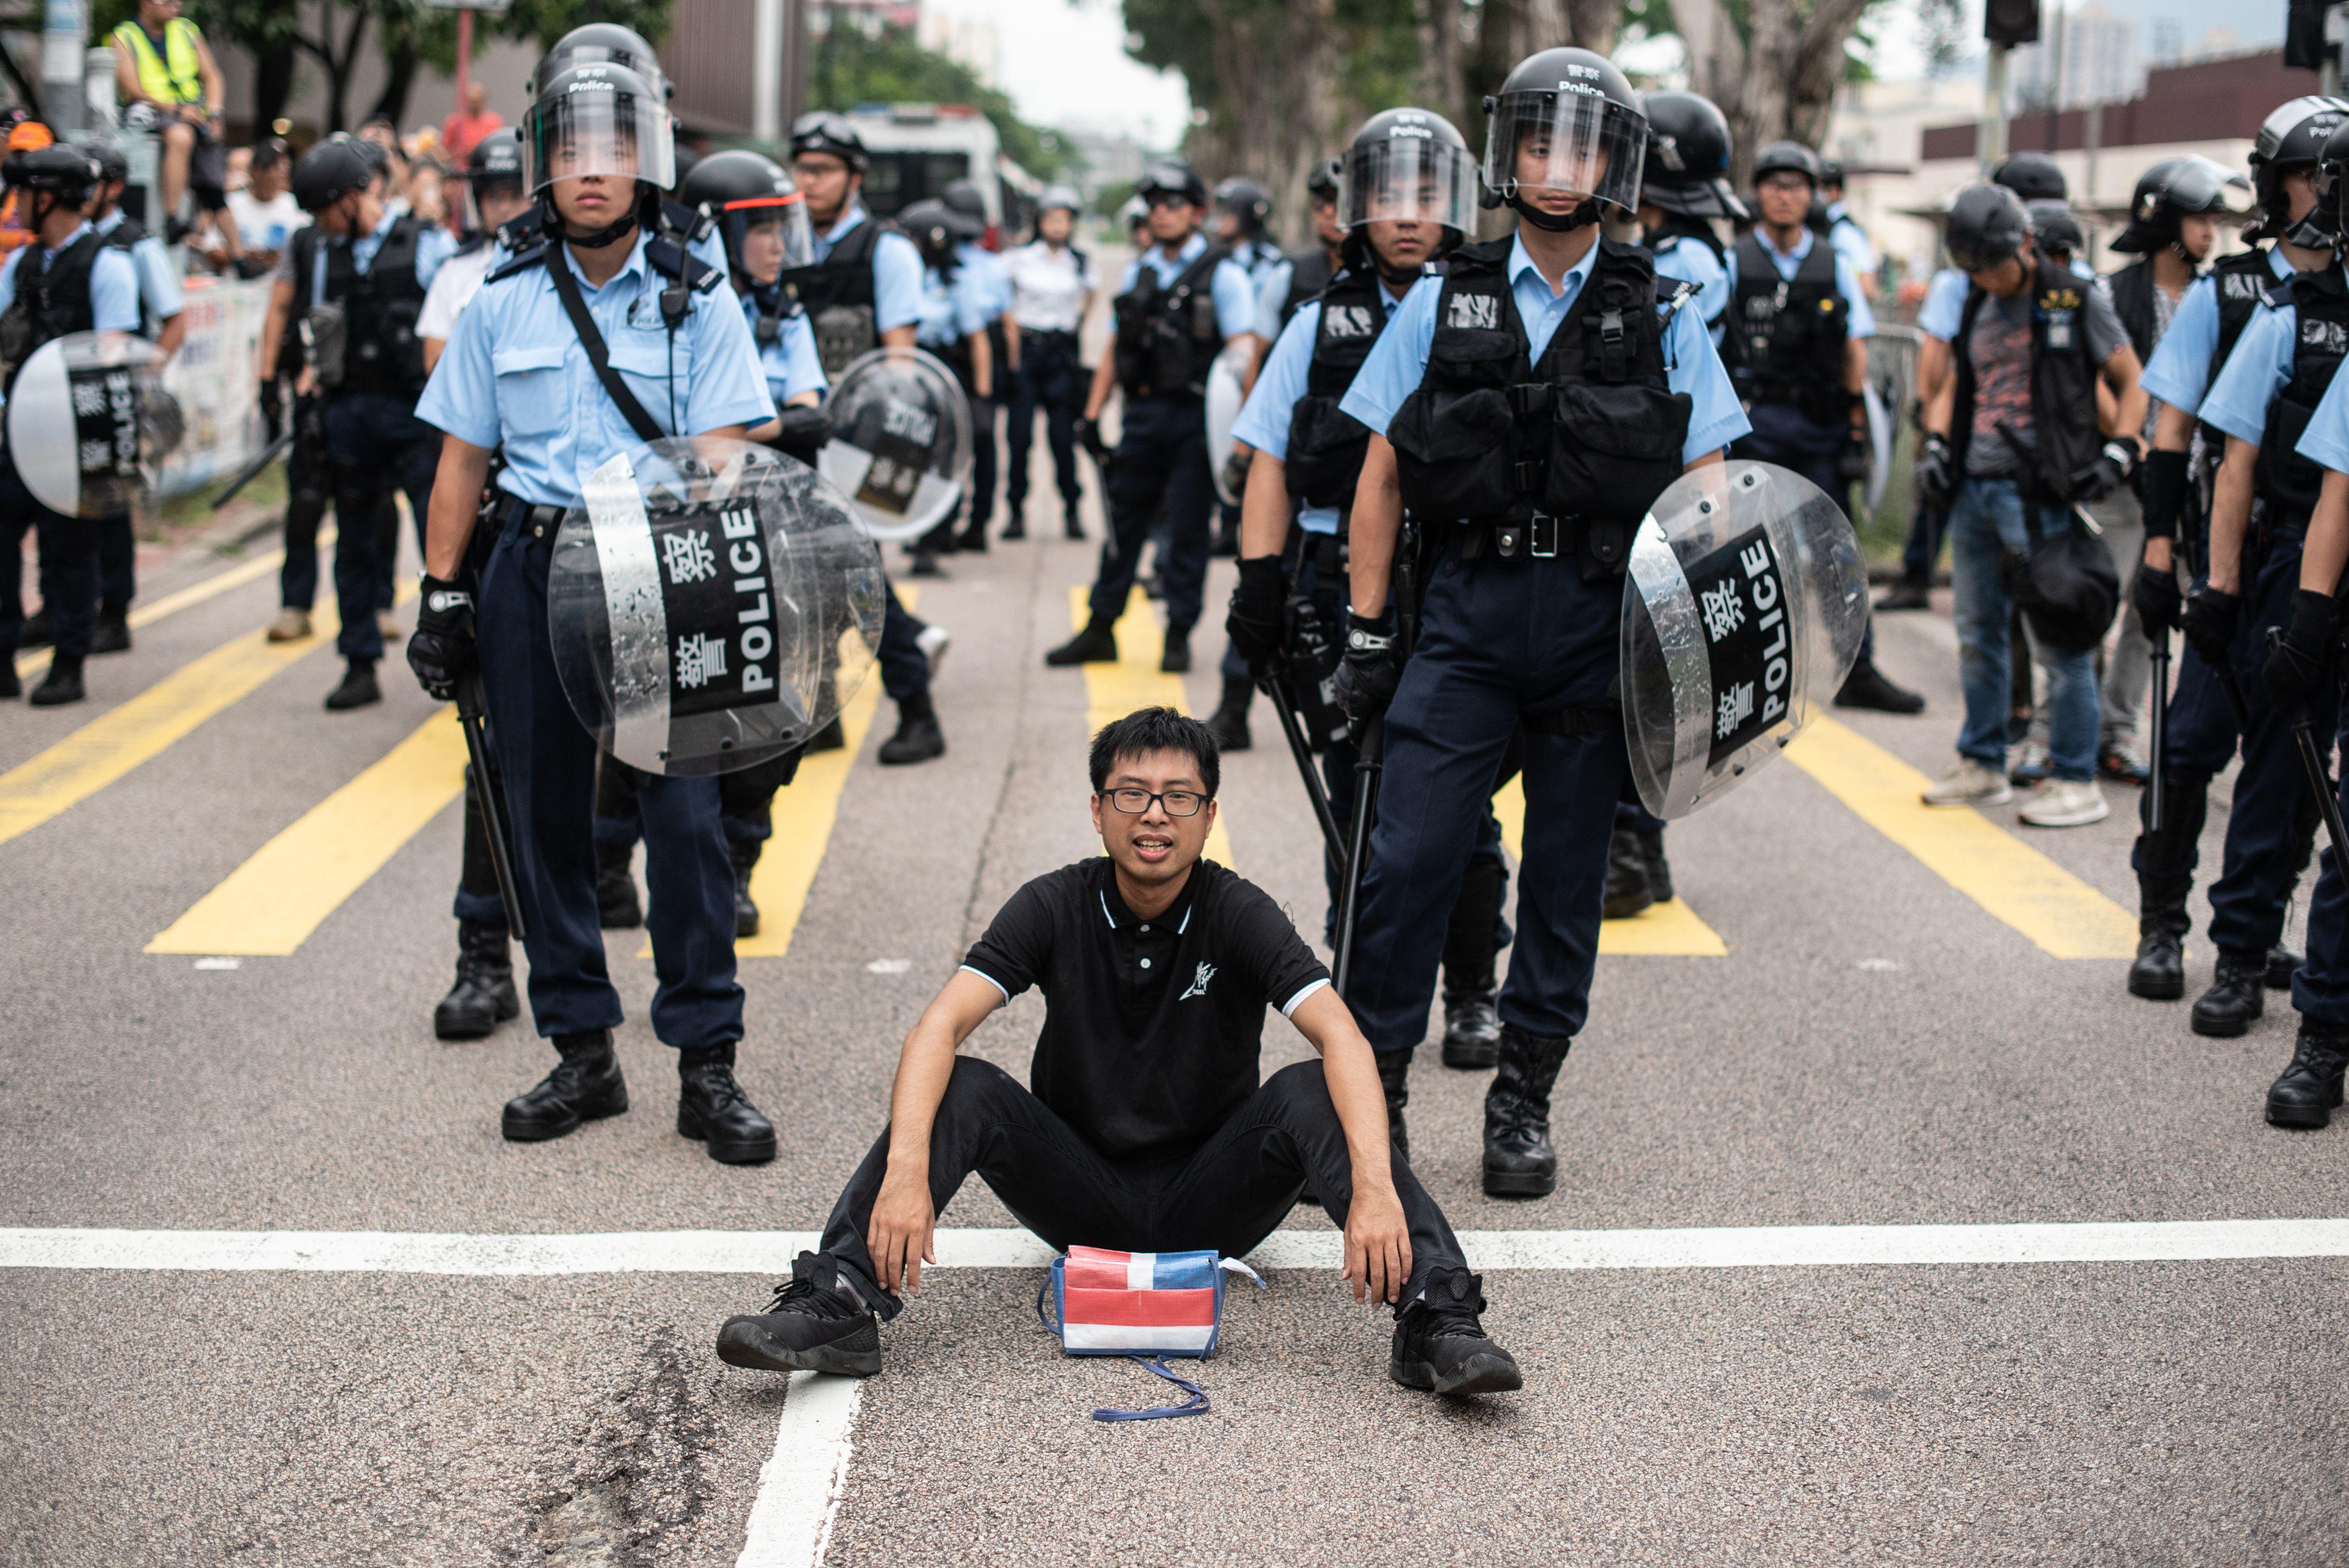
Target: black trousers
x: 1049, y: 380
x: 69, y: 568
x: 1229, y: 1193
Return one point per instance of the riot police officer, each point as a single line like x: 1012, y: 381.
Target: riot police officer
x: 359, y: 280
x: 64, y: 279
x: 599, y: 336
x: 1797, y: 351
x: 1835, y: 222
x: 862, y: 290
x: 1526, y: 409
x: 980, y: 272
x: 1179, y: 303
x: 1683, y: 188
x: 1053, y: 284
x: 1302, y: 275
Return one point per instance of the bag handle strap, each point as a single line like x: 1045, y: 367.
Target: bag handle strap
x: 599, y: 354
x: 1196, y: 1405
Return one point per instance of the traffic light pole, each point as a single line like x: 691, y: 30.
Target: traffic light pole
x: 1990, y: 143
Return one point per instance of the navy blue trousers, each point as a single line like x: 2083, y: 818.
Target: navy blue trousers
x: 2270, y: 827
x: 374, y: 445
x: 1497, y: 644
x: 1048, y: 381
x: 547, y: 761
x: 1160, y: 463
x: 1792, y: 439
x: 118, y: 565
x: 68, y: 557
x: 2320, y: 987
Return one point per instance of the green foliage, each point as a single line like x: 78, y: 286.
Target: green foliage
x: 544, y: 21
x: 849, y: 69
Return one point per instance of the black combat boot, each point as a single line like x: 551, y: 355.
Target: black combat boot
x: 1867, y: 687
x: 1015, y: 527
x: 584, y: 1085
x: 2282, y: 962
x: 2236, y: 996
x: 2165, y: 862
x: 1440, y: 1344
x: 972, y: 540
x: 484, y: 996
x: 1519, y: 1160
x: 113, y: 633
x: 1070, y: 527
x: 1659, y: 869
x: 41, y: 630
x: 1175, y: 660
x: 711, y: 1105
x: 744, y: 854
x: 2309, y: 1092
x: 1471, y: 1027
x: 1627, y: 890
x: 1906, y: 595
x: 62, y: 685
x: 1394, y: 1077
x: 9, y: 684
x: 1229, y: 724
x: 817, y: 1323
x: 615, y: 889
x: 831, y: 738
x: 1096, y: 644
x: 359, y: 687
x: 918, y: 736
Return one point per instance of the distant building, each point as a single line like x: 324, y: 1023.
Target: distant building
x: 2095, y: 51
x: 970, y: 43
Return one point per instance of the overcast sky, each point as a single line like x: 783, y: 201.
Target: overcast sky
x: 1064, y: 61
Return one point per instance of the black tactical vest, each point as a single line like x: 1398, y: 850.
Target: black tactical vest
x: 1309, y: 275
x: 379, y: 350
x: 122, y: 237
x: 1679, y: 225
x: 2132, y: 290
x: 2320, y: 301
x: 1593, y: 431
x: 52, y: 300
x: 837, y: 295
x: 1326, y: 446
x: 2240, y: 282
x: 1785, y: 337
x: 2063, y: 383
x: 1167, y: 336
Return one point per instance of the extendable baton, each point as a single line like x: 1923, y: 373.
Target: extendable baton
x: 1292, y: 730
x: 491, y: 794
x: 2155, y: 797
x: 269, y: 454
x: 1370, y: 744
x: 2304, y: 732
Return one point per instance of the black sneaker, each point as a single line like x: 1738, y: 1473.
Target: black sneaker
x: 1440, y: 1344
x: 814, y: 1324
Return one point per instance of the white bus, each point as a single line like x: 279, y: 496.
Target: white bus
x: 920, y: 149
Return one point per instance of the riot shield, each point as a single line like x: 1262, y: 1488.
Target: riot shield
x: 1745, y: 606
x: 89, y: 422
x: 900, y: 443
x: 1224, y: 400
x: 711, y: 606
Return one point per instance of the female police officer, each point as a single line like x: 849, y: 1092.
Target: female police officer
x: 1523, y: 609
x: 518, y: 374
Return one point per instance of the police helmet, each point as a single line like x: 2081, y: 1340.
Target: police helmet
x: 745, y: 191
x: 1321, y: 185
x: 111, y: 163
x: 1687, y: 170
x: 1245, y: 200
x: 598, y: 119
x: 1134, y: 214
x: 1987, y: 224
x: 2032, y: 176
x: 603, y: 43
x: 2054, y: 229
x: 60, y: 169
x: 329, y: 172
x: 933, y: 227
x: 1831, y: 172
x: 1059, y: 198
x: 1564, y: 120
x: 2291, y: 136
x: 1786, y: 158
x: 969, y: 204
x: 495, y: 162
x: 2321, y: 228
x: 1409, y: 165
x: 2167, y: 192
x: 821, y: 130
x: 1173, y: 178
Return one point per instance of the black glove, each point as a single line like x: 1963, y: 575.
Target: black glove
x: 273, y: 404
x: 2211, y: 621
x: 1089, y: 436
x: 1934, y: 473
x: 800, y: 432
x: 1254, y: 624
x: 1852, y: 463
x: 1371, y: 667
x: 2106, y: 474
x: 442, y: 650
x: 2295, y: 671
x: 2155, y: 594
x: 2161, y: 485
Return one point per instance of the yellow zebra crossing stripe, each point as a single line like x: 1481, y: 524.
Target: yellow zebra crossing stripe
x: 1113, y: 691
x: 2064, y: 915
x: 1666, y: 930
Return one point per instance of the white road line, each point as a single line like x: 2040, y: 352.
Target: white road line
x: 799, y: 1487
x: 771, y: 1252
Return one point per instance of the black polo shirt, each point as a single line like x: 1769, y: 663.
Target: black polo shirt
x: 1152, y: 1028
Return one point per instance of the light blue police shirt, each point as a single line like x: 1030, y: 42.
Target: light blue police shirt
x: 2326, y: 439
x: 113, y: 286
x: 896, y: 271
x: 1692, y: 262
x: 1850, y: 238
x: 158, y: 285
x: 1789, y: 263
x: 790, y: 363
x: 993, y: 279
x: 2257, y: 368
x: 951, y: 310
x: 1265, y: 417
x: 2179, y: 371
x: 1234, y: 294
x: 1271, y: 293
x: 434, y: 245
x: 1399, y: 361
x: 516, y: 374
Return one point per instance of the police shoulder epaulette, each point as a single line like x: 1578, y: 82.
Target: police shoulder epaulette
x: 671, y: 259
x: 2279, y: 297
x: 691, y: 223
x: 1669, y: 242
x: 1673, y: 292
x: 522, y: 263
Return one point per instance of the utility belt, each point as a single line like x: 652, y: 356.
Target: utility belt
x: 1601, y: 548
x: 529, y: 519
x: 1047, y: 338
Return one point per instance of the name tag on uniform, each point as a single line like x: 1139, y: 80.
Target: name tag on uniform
x: 2059, y: 328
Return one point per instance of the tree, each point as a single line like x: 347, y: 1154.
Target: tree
x: 849, y: 68
x: 1773, y: 66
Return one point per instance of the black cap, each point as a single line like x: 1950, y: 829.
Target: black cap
x: 1245, y: 200
x: 1687, y: 169
x: 2055, y: 228
x: 111, y: 164
x: 329, y: 172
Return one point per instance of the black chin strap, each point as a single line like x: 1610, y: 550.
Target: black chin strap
x: 1582, y: 217
x: 553, y: 223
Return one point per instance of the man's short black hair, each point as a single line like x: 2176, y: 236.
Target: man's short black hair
x: 269, y: 152
x: 1149, y: 729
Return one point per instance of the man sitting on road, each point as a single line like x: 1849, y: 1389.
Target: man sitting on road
x: 1146, y: 1129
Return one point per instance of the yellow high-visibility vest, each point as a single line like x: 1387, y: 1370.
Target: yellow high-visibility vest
x: 176, y: 76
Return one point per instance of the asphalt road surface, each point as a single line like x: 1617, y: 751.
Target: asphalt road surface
x: 272, y: 1296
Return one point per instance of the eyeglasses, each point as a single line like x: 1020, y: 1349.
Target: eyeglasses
x: 1168, y: 199
x: 1134, y: 801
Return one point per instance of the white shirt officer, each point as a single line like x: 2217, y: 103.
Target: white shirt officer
x: 1049, y: 285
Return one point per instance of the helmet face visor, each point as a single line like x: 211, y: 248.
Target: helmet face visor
x: 1410, y: 177
x: 1573, y: 142
x: 598, y: 127
x: 769, y: 234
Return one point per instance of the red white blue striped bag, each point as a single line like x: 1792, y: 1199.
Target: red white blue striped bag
x: 1141, y: 1305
